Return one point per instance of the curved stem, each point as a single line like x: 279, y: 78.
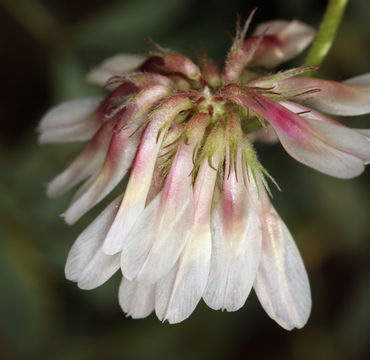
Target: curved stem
x: 326, y: 35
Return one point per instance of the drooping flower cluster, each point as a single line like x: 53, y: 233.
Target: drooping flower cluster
x: 195, y: 220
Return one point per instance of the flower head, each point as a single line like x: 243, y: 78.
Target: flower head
x: 195, y: 220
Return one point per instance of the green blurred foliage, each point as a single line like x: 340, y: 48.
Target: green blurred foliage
x: 47, y: 48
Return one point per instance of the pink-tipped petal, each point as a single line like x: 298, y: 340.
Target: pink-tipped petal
x: 114, y: 105
x: 180, y: 64
x: 117, y: 162
x: 114, y: 66
x: 87, y: 163
x: 87, y: 264
x: 307, y: 113
x: 334, y: 150
x: 137, y: 189
x: 281, y: 283
x: 74, y: 120
x: 282, y: 42
x: 158, y: 237
x: 120, y: 154
x: 236, y: 245
x: 136, y: 299
x: 336, y: 98
x: 314, y: 115
x: 178, y: 293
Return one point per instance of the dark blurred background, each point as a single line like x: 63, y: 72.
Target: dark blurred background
x: 47, y: 47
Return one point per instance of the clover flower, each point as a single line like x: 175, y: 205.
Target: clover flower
x: 195, y: 219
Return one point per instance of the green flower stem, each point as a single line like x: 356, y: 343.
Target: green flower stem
x: 326, y: 35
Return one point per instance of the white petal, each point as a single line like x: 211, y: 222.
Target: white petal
x: 363, y: 80
x: 327, y: 147
x: 72, y: 120
x: 120, y: 154
x: 336, y: 98
x: 116, y: 65
x: 136, y: 299
x: 87, y: 264
x: 178, y: 293
x: 334, y: 150
x: 87, y: 163
x: 365, y: 132
x: 118, y: 160
x: 233, y: 266
x: 138, y: 186
x: 236, y: 246
x: 309, y: 114
x: 283, y: 41
x: 136, y: 192
x: 158, y: 237
x: 281, y: 283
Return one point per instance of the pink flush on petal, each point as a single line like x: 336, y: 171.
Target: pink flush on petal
x: 194, y: 220
x: 161, y: 239
x: 142, y: 170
